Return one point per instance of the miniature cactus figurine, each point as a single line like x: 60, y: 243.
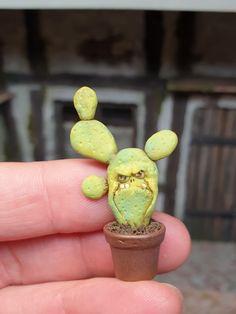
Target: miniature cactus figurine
x: 132, y: 175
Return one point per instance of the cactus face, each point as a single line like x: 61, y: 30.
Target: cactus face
x: 132, y: 172
x: 132, y: 180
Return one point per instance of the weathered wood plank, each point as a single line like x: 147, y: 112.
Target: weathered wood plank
x: 37, y: 98
x: 12, y: 148
x: 35, y: 44
x: 153, y: 41
x: 205, y: 86
x: 185, y: 34
x: 211, y: 200
x: 173, y: 160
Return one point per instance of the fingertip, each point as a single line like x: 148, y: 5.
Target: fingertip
x: 153, y: 297
x: 98, y: 295
x: 178, y: 294
x: 176, y: 247
x: 176, y: 297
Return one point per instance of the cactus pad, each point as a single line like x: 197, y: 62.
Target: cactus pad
x: 94, y: 187
x: 92, y: 139
x: 85, y: 102
x: 161, y: 144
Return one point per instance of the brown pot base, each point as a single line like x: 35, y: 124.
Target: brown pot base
x: 135, y: 256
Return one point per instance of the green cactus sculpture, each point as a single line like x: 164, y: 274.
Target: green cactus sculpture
x: 132, y: 175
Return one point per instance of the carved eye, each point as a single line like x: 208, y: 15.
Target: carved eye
x: 140, y: 174
x: 122, y: 178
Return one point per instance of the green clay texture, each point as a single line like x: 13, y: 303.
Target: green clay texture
x: 94, y: 187
x: 132, y: 180
x: 161, y: 144
x: 132, y: 174
x: 85, y: 102
x: 93, y: 139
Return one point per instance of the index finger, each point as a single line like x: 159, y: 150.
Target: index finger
x: 42, y: 198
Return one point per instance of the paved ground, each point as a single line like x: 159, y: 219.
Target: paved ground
x: 208, y: 279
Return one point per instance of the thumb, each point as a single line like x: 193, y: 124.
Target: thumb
x: 99, y: 295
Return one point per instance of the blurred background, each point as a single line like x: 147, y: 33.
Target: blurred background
x: 156, y: 67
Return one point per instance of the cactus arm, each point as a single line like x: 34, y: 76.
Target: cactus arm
x: 90, y: 137
x: 161, y: 144
x: 85, y: 103
x: 94, y: 187
x: 93, y: 139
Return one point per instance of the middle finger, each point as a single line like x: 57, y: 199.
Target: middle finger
x: 77, y: 256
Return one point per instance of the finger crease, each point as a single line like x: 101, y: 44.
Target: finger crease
x: 17, y: 263
x: 62, y: 303
x: 50, y: 212
x: 84, y: 259
x: 63, y: 299
x: 5, y: 274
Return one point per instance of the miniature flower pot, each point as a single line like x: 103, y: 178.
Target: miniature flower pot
x: 134, y: 256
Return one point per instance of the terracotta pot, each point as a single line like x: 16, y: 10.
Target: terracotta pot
x: 135, y: 257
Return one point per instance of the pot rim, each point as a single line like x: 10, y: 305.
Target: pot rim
x: 125, y: 241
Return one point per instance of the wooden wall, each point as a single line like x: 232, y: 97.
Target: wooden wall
x: 129, y: 57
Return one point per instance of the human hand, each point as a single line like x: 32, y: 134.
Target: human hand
x: 53, y: 254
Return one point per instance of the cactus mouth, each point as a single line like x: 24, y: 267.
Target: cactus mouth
x: 133, y: 199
